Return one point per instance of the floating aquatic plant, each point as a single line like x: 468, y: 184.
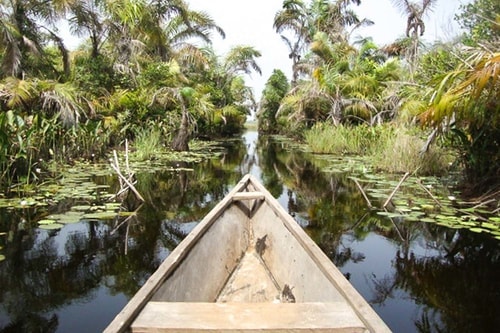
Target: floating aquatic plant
x: 53, y: 226
x: 419, y: 199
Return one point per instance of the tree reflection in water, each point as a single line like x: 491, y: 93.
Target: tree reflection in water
x: 448, y: 280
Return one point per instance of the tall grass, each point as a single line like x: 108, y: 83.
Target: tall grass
x: 389, y: 148
x: 324, y: 138
x: 147, y: 143
x: 402, y: 152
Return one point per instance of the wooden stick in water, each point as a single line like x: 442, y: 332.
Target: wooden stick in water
x: 396, y: 189
x: 363, y: 193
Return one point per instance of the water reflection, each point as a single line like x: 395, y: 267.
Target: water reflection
x: 419, y: 277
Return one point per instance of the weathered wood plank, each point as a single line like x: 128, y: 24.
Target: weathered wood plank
x: 247, y: 317
x: 210, y: 262
x: 290, y: 265
x: 248, y: 196
x: 250, y: 282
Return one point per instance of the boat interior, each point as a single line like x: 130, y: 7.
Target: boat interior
x: 248, y: 255
x: 247, y: 267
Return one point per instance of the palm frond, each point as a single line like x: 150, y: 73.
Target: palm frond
x: 241, y: 58
x: 15, y: 92
x: 62, y: 99
x: 404, y: 6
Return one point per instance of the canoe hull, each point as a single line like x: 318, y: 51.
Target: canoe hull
x: 247, y: 259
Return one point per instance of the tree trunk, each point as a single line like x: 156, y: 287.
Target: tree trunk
x: 181, y: 140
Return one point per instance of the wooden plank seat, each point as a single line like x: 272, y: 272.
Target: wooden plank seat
x: 247, y: 317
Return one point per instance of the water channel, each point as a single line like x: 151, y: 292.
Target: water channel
x: 418, y: 276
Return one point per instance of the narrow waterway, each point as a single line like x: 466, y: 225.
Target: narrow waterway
x: 419, y: 277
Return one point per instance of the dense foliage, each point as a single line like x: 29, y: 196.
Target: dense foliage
x: 139, y: 69
x: 444, y: 94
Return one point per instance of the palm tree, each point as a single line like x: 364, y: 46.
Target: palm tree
x: 294, y: 18
x: 47, y: 98
x: 88, y: 18
x: 184, y: 97
x: 322, y: 16
x: 25, y: 27
x: 193, y: 96
x: 348, y: 84
x: 333, y: 18
x: 415, y: 26
x: 170, y: 26
x: 275, y: 89
x: 465, y: 102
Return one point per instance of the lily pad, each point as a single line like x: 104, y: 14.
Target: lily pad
x: 46, y: 221
x: 112, y: 205
x: 81, y: 208
x: 126, y: 214
x: 108, y: 215
x: 53, y: 226
x: 2, y: 257
x: 390, y: 214
x: 25, y: 203
x: 468, y: 223
x: 5, y: 203
x: 68, y: 217
x: 489, y: 225
x: 427, y: 207
x: 479, y: 230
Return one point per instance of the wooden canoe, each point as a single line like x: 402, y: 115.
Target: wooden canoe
x: 246, y: 267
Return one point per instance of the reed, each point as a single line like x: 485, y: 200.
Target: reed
x: 324, y: 138
x: 389, y: 148
x: 147, y: 143
x: 402, y: 152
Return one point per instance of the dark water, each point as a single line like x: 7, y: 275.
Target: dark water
x: 419, y: 277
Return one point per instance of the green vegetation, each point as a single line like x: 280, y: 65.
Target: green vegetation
x: 147, y: 143
x: 147, y: 73
x: 144, y: 64
x: 276, y: 88
x: 343, y: 139
x: 388, y: 148
x: 407, y: 106
x: 402, y: 152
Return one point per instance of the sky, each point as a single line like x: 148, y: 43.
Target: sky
x: 251, y: 23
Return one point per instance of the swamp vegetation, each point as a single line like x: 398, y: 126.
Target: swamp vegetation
x: 388, y: 155
x: 146, y: 70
